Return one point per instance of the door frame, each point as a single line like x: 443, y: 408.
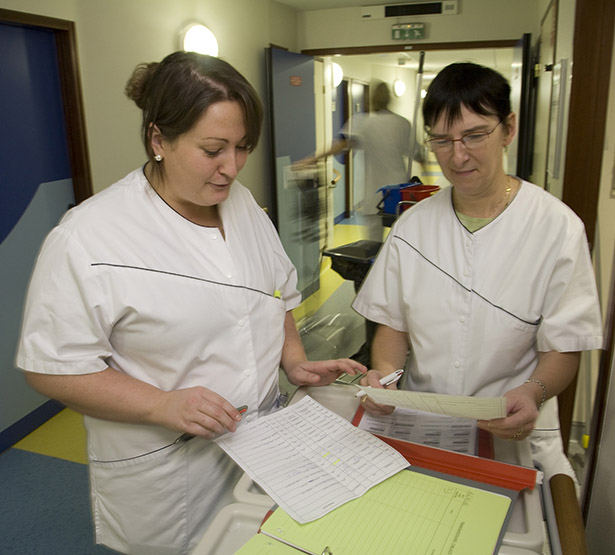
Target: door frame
x: 70, y: 83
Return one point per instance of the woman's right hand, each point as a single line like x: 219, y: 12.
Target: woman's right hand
x: 372, y: 378
x: 197, y: 411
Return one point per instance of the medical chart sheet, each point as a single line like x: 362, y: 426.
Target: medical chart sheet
x: 408, y: 513
x: 309, y: 460
x: 478, y: 408
x: 435, y: 430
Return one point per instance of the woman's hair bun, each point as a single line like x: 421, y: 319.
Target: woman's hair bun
x: 138, y: 84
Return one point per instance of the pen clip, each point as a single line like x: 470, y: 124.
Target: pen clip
x: 327, y: 551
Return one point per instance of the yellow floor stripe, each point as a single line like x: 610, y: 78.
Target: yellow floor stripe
x: 62, y: 436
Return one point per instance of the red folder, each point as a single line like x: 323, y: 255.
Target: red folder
x: 479, y: 469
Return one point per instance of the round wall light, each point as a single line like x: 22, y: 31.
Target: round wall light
x: 337, y: 74
x: 399, y: 87
x: 198, y: 38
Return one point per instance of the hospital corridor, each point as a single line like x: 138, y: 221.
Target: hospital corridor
x: 332, y: 277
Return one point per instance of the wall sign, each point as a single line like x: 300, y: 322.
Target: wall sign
x: 408, y: 31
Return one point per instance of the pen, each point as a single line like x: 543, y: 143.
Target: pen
x: 387, y: 380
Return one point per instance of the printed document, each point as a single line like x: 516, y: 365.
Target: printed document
x: 435, y: 430
x: 310, y: 460
x: 478, y: 408
x: 408, y: 513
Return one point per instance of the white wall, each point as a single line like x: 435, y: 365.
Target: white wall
x: 373, y: 72
x: 113, y: 36
x: 563, y: 51
x: 477, y: 20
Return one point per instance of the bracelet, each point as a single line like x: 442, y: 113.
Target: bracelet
x: 544, y: 390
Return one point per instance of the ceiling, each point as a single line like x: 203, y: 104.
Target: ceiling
x: 499, y: 59
x: 306, y: 5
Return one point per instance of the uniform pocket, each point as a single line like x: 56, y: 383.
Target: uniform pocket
x: 140, y: 503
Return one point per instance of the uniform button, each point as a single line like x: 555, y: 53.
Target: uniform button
x: 468, y: 243
x: 229, y: 276
x: 462, y: 319
x: 247, y: 372
x: 241, y: 323
x: 466, y: 273
x: 214, y: 237
x: 456, y: 364
x: 250, y: 417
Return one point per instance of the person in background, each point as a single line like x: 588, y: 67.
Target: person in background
x: 486, y: 288
x: 386, y: 140
x: 162, y: 304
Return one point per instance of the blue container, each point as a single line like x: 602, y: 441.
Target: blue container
x: 391, y: 197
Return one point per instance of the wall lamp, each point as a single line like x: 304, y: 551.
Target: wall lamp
x: 337, y: 74
x: 195, y: 37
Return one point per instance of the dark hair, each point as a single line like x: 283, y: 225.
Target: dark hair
x: 381, y: 97
x: 175, y: 92
x: 480, y: 89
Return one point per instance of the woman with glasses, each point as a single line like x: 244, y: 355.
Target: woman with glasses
x: 487, y: 287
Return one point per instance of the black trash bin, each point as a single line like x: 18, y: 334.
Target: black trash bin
x: 352, y: 262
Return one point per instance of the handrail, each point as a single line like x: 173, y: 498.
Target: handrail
x: 570, y: 525
x: 337, y: 177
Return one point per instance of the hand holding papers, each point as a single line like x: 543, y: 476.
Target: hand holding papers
x: 309, y: 460
x: 478, y: 408
x: 387, y: 380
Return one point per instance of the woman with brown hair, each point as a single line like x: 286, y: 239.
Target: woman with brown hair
x: 163, y: 304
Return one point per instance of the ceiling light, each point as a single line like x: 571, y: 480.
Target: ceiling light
x: 198, y: 38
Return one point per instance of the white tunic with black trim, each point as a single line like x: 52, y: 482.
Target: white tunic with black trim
x: 125, y: 282
x: 478, y: 307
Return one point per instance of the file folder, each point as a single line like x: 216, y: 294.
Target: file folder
x: 410, y: 513
x: 479, y: 469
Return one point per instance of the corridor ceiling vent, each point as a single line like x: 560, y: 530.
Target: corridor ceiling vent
x: 195, y: 37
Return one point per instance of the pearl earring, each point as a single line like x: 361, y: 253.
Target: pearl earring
x: 158, y: 158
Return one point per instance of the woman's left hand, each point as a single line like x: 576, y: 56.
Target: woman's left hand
x: 522, y: 413
x: 322, y: 372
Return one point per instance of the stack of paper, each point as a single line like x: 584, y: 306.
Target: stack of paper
x: 408, y: 514
x: 309, y: 459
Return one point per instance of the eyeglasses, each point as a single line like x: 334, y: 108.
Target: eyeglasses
x: 470, y: 141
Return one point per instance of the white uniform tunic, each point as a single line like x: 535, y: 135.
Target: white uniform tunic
x: 478, y: 307
x: 125, y: 281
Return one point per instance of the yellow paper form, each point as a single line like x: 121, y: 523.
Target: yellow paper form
x: 264, y: 545
x: 479, y: 408
x: 407, y: 514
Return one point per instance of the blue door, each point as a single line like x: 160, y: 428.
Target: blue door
x: 296, y: 196
x: 35, y: 190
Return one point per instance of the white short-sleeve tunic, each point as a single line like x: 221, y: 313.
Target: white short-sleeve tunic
x: 125, y: 282
x: 478, y: 307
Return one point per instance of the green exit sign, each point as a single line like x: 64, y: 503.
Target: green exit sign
x: 408, y: 31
